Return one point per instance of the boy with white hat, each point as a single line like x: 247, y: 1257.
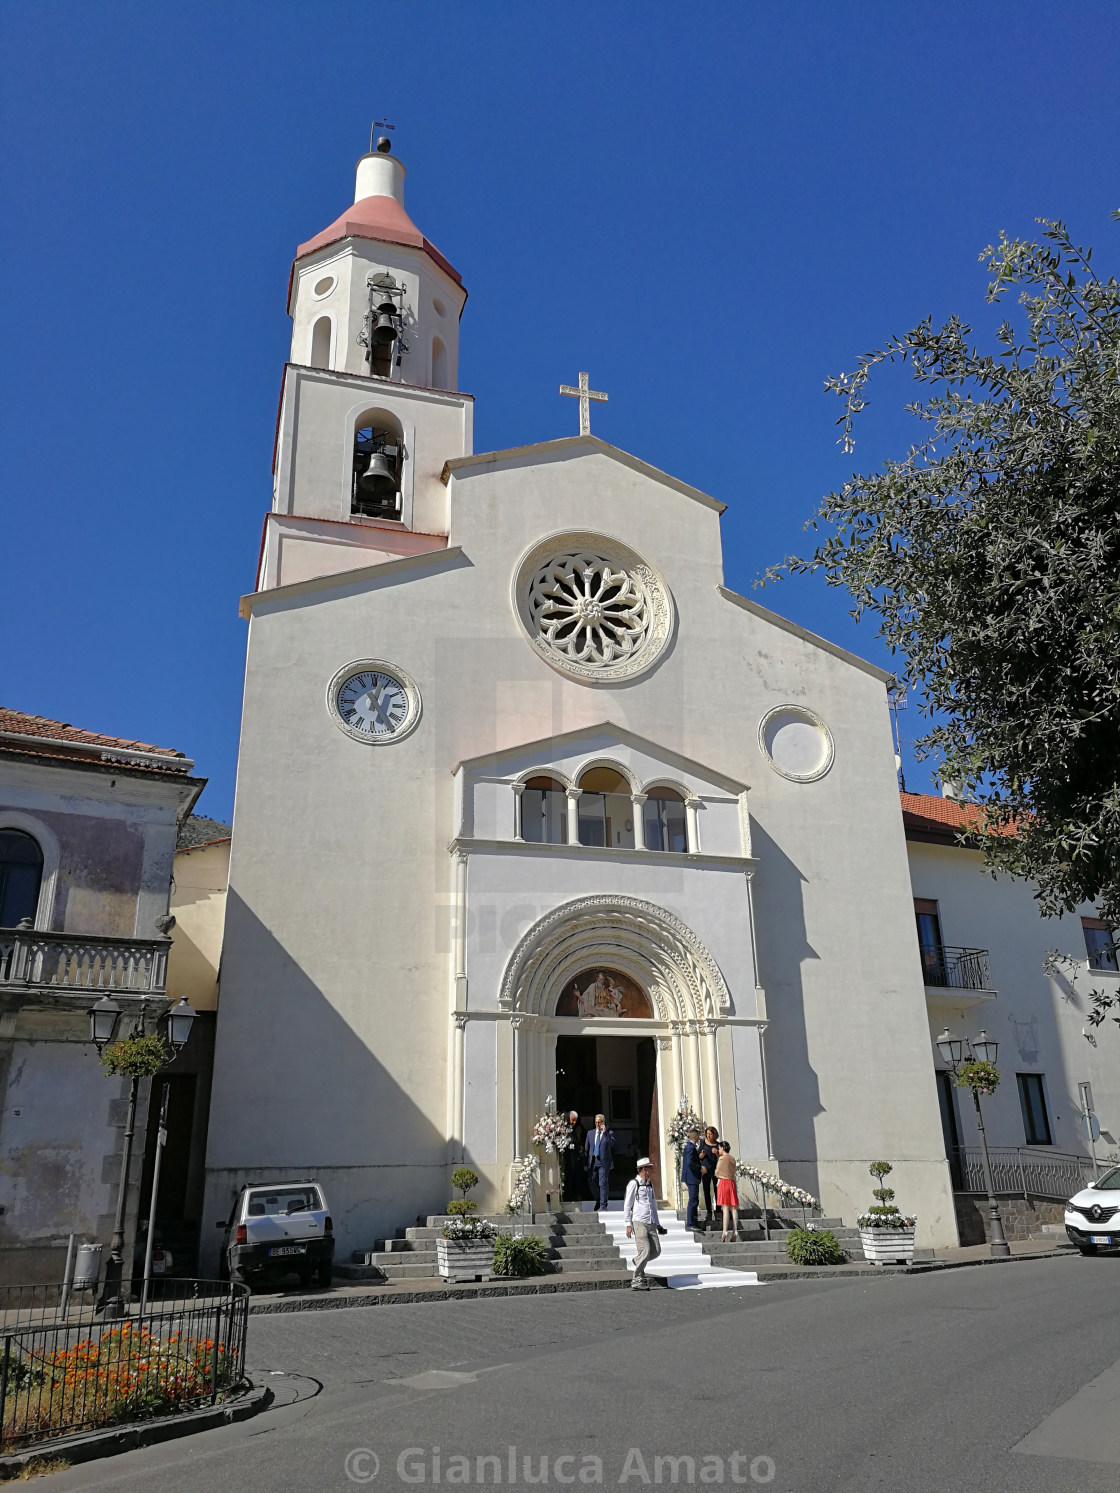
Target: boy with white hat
x: 639, y: 1212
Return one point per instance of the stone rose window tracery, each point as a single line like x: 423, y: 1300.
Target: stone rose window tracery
x: 592, y: 607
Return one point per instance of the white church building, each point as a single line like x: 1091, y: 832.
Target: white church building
x: 530, y: 804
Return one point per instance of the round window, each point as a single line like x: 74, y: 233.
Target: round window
x: 323, y: 287
x: 796, y: 743
x: 592, y: 607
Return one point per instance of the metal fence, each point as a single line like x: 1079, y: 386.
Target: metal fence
x: 65, y: 1368
x: 1019, y: 1171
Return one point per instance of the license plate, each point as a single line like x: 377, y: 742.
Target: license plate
x: 1100, y: 1238
x: 289, y: 1249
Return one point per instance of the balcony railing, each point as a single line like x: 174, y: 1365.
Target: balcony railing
x: 75, y: 963
x: 1019, y: 1171
x: 954, y: 968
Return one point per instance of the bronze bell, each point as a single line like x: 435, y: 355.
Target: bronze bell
x: 385, y: 326
x: 379, y: 479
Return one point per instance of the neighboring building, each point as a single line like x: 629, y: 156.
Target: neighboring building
x: 528, y: 803
x: 986, y: 953
x: 87, y: 838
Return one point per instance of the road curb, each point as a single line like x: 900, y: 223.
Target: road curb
x: 864, y: 1271
x: 90, y: 1445
x: 393, y: 1296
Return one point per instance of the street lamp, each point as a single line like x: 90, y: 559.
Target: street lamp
x: 984, y: 1050
x: 103, y: 1018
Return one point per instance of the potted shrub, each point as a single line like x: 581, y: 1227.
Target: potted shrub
x: 463, y: 1179
x: 813, y: 1247
x: 465, y: 1249
x: 886, y: 1234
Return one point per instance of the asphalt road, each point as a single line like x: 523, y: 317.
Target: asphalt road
x: 905, y: 1383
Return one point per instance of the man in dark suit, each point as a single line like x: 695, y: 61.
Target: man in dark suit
x: 691, y: 1172
x: 575, y: 1175
x: 600, y: 1159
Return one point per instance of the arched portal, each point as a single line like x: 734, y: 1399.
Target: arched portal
x: 646, y: 952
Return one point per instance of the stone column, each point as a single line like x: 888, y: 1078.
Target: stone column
x: 712, y: 1097
x: 639, y: 801
x: 573, y: 796
x: 515, y: 1023
x: 518, y: 790
x: 697, y: 1088
x: 690, y: 807
x: 458, y: 1085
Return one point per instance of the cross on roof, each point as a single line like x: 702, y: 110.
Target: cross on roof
x: 584, y: 395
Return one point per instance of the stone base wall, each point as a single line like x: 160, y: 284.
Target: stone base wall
x: 1022, y: 1218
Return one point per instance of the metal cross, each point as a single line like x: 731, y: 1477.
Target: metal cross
x: 378, y: 124
x: 584, y: 395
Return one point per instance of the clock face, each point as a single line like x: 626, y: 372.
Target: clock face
x: 372, y: 703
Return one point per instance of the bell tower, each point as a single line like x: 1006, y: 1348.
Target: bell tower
x: 370, y: 409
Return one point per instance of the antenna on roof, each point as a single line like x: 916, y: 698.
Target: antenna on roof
x: 379, y: 124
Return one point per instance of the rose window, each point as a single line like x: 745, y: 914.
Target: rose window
x: 597, y: 612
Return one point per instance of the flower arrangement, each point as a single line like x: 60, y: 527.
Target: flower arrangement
x: 467, y: 1230
x: 769, y: 1183
x: 980, y: 1077
x: 525, y: 1171
x: 683, y: 1121
x: 136, y: 1057
x: 552, y: 1131
x: 884, y: 1214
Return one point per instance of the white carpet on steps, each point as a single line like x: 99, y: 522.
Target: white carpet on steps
x: 682, y: 1262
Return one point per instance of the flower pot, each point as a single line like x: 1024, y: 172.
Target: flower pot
x: 465, y: 1259
x: 887, y: 1246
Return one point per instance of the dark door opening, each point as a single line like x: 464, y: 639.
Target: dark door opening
x: 948, y: 1102
x: 174, y: 1229
x: 615, y: 1077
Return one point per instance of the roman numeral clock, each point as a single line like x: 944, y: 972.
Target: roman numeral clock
x: 373, y: 701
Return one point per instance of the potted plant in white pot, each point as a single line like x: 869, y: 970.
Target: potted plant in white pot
x: 886, y: 1234
x: 465, y: 1249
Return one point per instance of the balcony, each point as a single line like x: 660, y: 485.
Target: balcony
x: 1022, y: 1171
x: 956, y: 977
x: 59, y: 967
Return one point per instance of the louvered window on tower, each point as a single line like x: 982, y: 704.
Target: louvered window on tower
x: 376, y: 489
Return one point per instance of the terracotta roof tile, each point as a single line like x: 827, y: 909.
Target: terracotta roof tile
x: 946, y: 817
x: 39, y: 725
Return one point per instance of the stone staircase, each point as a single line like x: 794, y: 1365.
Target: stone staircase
x: 683, y: 1264
x: 753, y: 1250
x: 577, y: 1244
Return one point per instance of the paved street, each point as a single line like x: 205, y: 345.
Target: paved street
x: 906, y: 1383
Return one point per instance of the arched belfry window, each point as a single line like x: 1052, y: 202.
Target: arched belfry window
x: 665, y: 820
x: 544, y: 812
x: 21, y: 873
x: 378, y: 464
x: 606, y: 812
x: 321, y: 343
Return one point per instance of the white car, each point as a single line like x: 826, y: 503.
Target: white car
x: 1093, y: 1215
x: 276, y: 1229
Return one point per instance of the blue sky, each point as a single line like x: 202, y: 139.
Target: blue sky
x: 710, y: 207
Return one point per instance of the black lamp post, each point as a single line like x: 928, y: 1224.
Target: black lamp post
x: 984, y: 1049
x: 103, y: 1018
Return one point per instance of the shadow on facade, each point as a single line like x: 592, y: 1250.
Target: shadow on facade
x: 298, y: 1092
x: 792, y: 1085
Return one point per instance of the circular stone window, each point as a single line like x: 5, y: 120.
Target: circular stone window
x: 592, y: 607
x: 323, y: 287
x: 796, y: 743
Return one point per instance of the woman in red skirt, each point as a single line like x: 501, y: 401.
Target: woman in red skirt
x: 727, y: 1194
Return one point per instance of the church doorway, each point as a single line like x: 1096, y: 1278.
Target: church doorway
x: 615, y: 1076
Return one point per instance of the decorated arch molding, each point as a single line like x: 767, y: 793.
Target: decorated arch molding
x: 653, y: 946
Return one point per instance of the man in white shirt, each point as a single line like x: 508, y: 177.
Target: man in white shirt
x: 640, y: 1214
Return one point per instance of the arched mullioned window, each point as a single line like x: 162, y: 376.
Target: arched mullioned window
x: 321, y: 343
x: 21, y: 874
x: 544, y: 812
x: 665, y: 821
x: 606, y: 813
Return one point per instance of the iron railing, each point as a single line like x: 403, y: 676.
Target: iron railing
x: 77, y: 963
x: 1019, y: 1171
x: 64, y: 1368
x: 955, y: 968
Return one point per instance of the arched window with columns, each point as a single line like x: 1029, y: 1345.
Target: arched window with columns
x: 606, y: 809
x: 665, y: 821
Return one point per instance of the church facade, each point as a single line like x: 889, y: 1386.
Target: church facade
x: 530, y: 805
